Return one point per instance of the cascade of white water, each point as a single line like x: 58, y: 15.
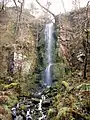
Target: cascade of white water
x: 40, y: 105
x: 28, y: 115
x: 49, y: 46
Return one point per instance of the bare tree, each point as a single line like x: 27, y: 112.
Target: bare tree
x: 21, y: 8
x: 19, y: 12
x: 46, y: 9
x: 3, y: 4
x: 15, y: 3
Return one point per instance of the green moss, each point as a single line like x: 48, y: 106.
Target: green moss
x: 84, y: 86
x: 23, y: 107
x: 12, y: 85
x: 72, y: 99
x: 88, y: 117
x: 51, y: 112
x: 62, y: 112
x: 6, y: 108
x: 25, y: 93
x: 65, y: 84
x: 59, y: 71
x: 12, y: 101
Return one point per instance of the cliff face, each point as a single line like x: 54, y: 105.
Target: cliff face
x: 17, y: 50
x: 17, y: 58
x: 72, y: 30
x: 72, y: 44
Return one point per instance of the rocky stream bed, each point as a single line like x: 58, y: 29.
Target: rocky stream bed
x: 32, y: 108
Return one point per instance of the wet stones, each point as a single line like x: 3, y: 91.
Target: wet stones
x: 35, y: 100
x: 46, y: 103
x: 28, y: 109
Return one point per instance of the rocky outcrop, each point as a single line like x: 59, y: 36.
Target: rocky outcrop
x: 19, y: 50
x: 72, y: 37
x: 17, y: 57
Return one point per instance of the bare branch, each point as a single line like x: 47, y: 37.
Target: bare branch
x: 46, y: 9
x: 2, y: 6
x: 21, y: 8
x: 15, y: 3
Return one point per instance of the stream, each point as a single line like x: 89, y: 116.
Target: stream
x: 35, y: 108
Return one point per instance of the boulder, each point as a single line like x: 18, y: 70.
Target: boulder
x: 46, y: 103
x: 35, y: 100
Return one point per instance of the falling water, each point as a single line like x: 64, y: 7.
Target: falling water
x: 40, y: 105
x: 49, y: 44
x: 28, y: 115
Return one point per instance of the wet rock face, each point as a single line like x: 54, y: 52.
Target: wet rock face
x: 46, y: 103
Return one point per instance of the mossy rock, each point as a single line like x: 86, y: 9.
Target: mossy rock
x: 1, y: 81
x: 1, y: 87
x: 62, y: 112
x: 52, y: 112
x: 12, y: 101
x: 26, y: 94
x: 35, y: 100
x: 65, y: 84
x: 88, y: 117
x: 84, y: 86
x: 12, y: 85
x: 6, y: 108
x: 59, y: 71
x: 23, y: 107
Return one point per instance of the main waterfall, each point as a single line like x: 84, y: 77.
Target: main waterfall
x: 49, y: 47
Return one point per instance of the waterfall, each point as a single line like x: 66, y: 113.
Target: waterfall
x: 49, y: 45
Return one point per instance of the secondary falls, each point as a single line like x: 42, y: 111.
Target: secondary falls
x: 49, y: 52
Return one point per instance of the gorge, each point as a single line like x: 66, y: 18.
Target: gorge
x: 42, y: 65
